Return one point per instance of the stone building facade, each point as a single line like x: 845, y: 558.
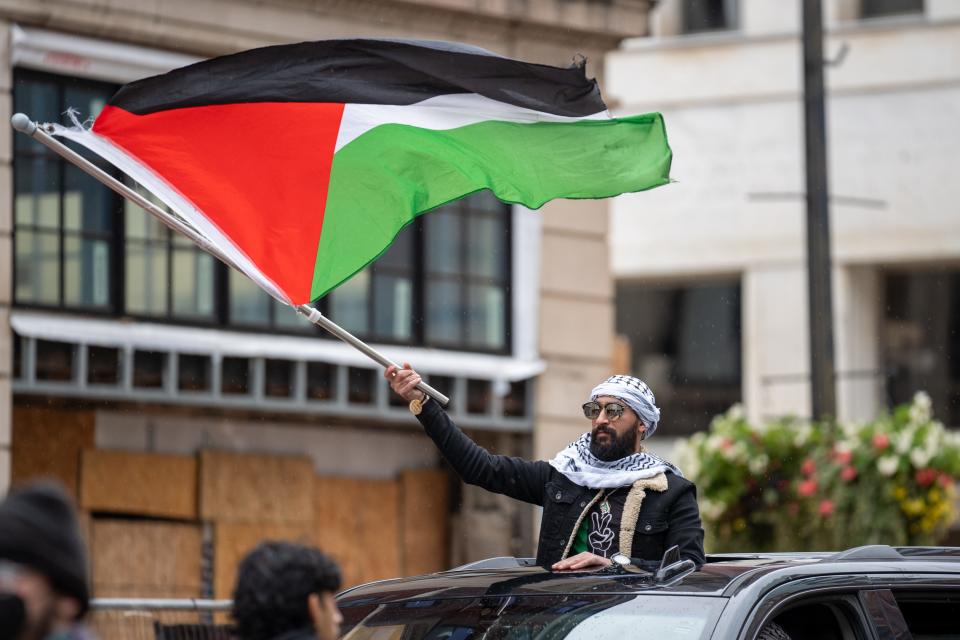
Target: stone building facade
x: 89, y: 371
x: 727, y: 243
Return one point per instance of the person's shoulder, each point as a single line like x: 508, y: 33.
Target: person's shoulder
x: 676, y: 483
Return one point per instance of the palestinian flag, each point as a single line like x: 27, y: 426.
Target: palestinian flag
x: 303, y: 162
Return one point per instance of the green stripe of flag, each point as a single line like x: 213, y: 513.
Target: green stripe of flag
x: 382, y: 180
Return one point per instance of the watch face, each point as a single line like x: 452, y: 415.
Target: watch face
x: 620, y: 559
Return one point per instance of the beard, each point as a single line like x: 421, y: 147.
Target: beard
x: 616, y: 447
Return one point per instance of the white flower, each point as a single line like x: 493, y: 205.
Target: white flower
x: 842, y: 447
x: 736, y: 453
x: 803, y: 435
x: 850, y: 430
x: 920, y: 457
x: 920, y: 408
x: 714, y: 442
x: 887, y: 465
x: 759, y: 464
x: 687, y: 457
x: 903, y: 442
x: 735, y: 412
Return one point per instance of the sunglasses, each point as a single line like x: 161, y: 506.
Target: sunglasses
x: 591, y: 410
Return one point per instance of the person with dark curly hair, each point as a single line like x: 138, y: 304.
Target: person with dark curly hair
x: 285, y: 591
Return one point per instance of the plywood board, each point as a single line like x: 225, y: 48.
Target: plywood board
x: 233, y: 540
x: 146, y: 559
x: 136, y: 624
x: 425, y: 508
x: 357, y: 522
x: 46, y: 443
x: 139, y: 483
x: 243, y: 487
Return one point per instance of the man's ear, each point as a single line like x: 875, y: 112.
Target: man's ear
x: 315, y: 608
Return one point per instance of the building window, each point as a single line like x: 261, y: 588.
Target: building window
x: 166, y: 275
x: 251, y: 308
x: 709, y: 15
x: 378, y: 301
x: 466, y: 267
x: 63, y: 221
x: 685, y: 342
x: 445, y: 282
x: 883, y: 8
x: 921, y: 339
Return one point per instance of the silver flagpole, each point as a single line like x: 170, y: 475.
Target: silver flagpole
x: 22, y: 123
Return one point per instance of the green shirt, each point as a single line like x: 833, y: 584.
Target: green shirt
x: 580, y: 542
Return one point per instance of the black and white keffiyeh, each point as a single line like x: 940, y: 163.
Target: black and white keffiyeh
x: 585, y: 469
x: 636, y: 393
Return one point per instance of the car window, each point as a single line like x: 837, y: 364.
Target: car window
x: 574, y: 617
x: 834, y: 618
x: 930, y: 616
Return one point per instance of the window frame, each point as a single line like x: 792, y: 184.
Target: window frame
x: 115, y: 278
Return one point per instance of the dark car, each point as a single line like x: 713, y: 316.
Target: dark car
x: 867, y: 593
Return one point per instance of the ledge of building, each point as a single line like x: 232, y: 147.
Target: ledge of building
x: 148, y: 336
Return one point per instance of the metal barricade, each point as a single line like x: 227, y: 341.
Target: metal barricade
x: 159, y: 619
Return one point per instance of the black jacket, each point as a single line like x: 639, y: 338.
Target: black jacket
x: 666, y: 518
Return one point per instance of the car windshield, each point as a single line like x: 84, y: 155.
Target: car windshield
x: 570, y: 617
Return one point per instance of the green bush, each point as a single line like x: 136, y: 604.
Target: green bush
x: 794, y: 485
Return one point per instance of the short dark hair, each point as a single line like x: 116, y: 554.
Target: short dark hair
x: 274, y: 582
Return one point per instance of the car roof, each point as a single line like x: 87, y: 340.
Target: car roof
x: 722, y: 576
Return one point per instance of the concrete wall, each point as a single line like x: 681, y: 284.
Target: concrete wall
x: 732, y: 104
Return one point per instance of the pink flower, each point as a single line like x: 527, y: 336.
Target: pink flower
x: 808, y: 467
x: 925, y: 477
x: 807, y: 488
x: 945, y: 480
x: 881, y: 441
x: 826, y: 508
x: 848, y: 474
x: 843, y: 457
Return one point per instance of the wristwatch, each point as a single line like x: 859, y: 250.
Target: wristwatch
x: 416, y: 405
x: 621, y: 560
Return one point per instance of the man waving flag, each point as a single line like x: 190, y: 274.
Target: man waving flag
x: 303, y: 162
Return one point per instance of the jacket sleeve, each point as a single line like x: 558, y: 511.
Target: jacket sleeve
x: 686, y: 530
x: 514, y: 477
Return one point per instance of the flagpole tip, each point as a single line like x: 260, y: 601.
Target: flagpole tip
x: 22, y: 123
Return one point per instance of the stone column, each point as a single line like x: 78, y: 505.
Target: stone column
x: 776, y: 366
x: 857, y: 297
x: 6, y: 254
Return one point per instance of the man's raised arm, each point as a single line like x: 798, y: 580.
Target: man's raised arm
x: 514, y: 477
